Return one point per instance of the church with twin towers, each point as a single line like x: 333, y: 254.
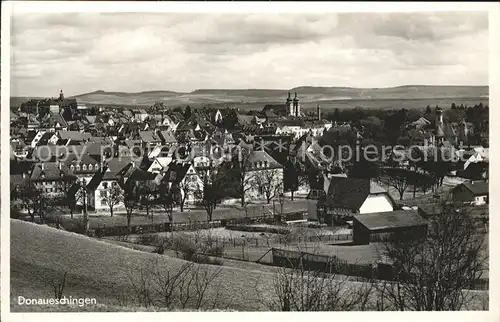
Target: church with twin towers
x: 293, y: 106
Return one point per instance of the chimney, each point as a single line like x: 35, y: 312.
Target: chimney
x: 319, y: 113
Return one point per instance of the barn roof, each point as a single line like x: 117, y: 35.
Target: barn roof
x: 391, y: 219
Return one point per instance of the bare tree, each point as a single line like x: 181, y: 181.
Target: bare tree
x: 167, y: 201
x: 156, y: 284
x: 64, y: 185
x: 399, y: 180
x: 434, y: 272
x: 300, y: 288
x: 182, y: 191
x: 58, y: 286
x: 211, y: 191
x: 268, y: 182
x: 131, y: 199
x: 148, y: 192
x: 114, y: 195
x: 240, y: 166
x: 30, y: 197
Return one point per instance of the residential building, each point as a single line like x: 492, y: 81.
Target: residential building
x: 474, y: 192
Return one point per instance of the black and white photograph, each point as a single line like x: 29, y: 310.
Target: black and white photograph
x: 200, y: 161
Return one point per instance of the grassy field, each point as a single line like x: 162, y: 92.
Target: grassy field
x: 100, y: 270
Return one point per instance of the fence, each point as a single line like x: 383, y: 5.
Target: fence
x: 328, y: 264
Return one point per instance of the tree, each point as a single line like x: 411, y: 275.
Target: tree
x: 239, y: 167
x: 428, y: 110
x: 302, y: 288
x: 193, y: 286
x: 167, y: 201
x: 31, y: 198
x: 399, y: 179
x: 268, y: 182
x: 211, y: 191
x: 453, y: 106
x: 294, y: 176
x: 187, y: 112
x: 114, y: 195
x: 131, y: 199
x: 148, y: 192
x: 433, y: 272
x: 336, y: 115
x: 182, y: 191
x: 64, y: 185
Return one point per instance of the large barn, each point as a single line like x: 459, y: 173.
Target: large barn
x: 378, y: 227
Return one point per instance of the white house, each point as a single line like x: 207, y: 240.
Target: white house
x: 344, y: 197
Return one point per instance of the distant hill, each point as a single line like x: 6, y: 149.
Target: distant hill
x: 305, y: 94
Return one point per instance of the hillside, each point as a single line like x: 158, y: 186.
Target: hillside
x: 100, y: 270
x: 308, y: 95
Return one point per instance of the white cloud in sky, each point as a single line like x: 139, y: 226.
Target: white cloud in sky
x: 183, y: 52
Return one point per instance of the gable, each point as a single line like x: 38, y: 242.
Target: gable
x: 376, y: 203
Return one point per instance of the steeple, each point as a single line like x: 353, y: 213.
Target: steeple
x: 439, y: 126
x: 296, y: 106
x: 61, y: 96
x: 289, y: 105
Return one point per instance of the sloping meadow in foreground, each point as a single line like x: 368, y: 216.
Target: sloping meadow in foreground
x: 41, y: 255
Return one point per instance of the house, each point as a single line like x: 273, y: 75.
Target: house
x: 98, y: 190
x: 380, y: 226
x: 82, y: 166
x: 261, y: 166
x: 183, y: 176
x: 345, y: 197
x: 167, y: 138
x: 74, y: 136
x: 50, y: 177
x: 149, y: 139
x: 43, y: 137
x: 141, y: 115
x: 474, y: 192
x: 169, y: 121
x: 160, y: 164
x: 54, y: 121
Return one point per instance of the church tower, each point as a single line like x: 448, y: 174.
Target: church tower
x: 439, y: 126
x: 61, y: 96
x: 289, y: 105
x: 463, y: 132
x: 296, y: 106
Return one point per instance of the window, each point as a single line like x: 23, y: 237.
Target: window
x: 96, y: 167
x: 113, y: 184
x: 105, y: 185
x: 77, y: 167
x: 103, y: 194
x: 103, y: 202
x: 84, y: 167
x: 90, y: 167
x: 72, y: 167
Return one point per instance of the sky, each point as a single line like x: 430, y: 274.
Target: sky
x: 133, y: 52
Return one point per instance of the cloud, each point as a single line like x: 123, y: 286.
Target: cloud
x: 83, y: 52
